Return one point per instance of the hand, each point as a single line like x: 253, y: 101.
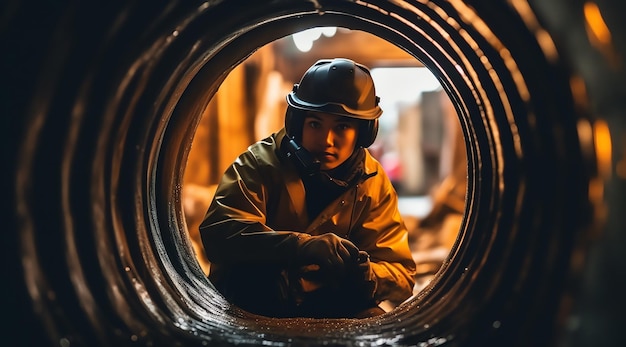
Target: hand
x: 362, y: 278
x: 333, y: 254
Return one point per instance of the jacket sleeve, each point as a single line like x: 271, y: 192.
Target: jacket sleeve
x: 384, y: 236
x: 234, y: 229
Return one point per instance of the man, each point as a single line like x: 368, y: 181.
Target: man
x: 305, y: 223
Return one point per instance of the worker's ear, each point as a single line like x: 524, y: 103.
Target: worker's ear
x: 367, y: 133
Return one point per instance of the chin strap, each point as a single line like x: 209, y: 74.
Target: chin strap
x: 302, y: 158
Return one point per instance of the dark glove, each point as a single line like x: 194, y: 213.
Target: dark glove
x: 347, y: 296
x: 361, y: 278
x: 333, y: 254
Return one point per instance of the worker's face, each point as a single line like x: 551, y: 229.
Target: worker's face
x: 330, y: 138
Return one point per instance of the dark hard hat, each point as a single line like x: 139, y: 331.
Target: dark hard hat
x: 337, y: 86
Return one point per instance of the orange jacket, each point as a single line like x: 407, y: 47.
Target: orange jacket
x: 259, y: 211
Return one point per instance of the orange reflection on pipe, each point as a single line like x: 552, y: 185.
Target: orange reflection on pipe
x: 543, y: 37
x: 599, y: 33
x: 603, y: 148
x: 596, y: 24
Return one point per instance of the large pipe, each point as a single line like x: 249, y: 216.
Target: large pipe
x: 100, y: 102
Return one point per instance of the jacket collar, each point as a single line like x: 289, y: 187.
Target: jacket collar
x: 370, y: 168
x: 293, y: 181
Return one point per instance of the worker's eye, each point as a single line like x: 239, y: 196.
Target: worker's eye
x: 312, y: 123
x: 344, y: 126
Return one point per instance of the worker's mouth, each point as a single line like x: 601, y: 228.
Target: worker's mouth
x: 326, y: 156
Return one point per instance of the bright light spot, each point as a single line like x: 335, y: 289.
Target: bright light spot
x: 304, y: 39
x: 303, y: 45
x: 329, y: 31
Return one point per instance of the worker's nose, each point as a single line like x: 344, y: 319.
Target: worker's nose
x: 330, y: 138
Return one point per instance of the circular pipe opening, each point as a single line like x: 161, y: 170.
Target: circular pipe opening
x: 496, y: 112
x: 129, y: 116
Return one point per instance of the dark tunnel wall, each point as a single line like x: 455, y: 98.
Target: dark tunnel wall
x: 599, y: 306
x: 100, y: 103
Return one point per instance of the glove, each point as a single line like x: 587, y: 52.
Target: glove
x: 333, y: 254
x: 345, y: 297
x: 361, y: 278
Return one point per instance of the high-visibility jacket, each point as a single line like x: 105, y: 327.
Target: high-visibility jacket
x: 258, y: 213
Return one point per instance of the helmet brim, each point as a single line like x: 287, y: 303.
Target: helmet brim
x: 333, y: 108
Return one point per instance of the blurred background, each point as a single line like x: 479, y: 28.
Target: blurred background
x: 419, y: 143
